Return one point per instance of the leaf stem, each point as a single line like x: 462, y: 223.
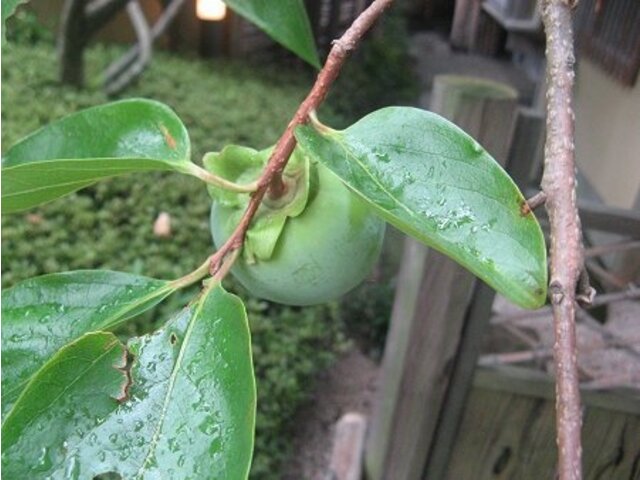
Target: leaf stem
x: 190, y: 278
x: 216, y: 181
x: 287, y: 142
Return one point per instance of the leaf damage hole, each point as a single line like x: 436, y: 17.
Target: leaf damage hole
x: 125, y: 367
x: 108, y: 476
x: 173, y: 339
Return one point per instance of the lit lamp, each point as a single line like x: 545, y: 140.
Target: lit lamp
x: 213, y: 28
x: 211, y: 10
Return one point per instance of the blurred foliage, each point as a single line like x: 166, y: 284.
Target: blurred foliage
x: 23, y: 27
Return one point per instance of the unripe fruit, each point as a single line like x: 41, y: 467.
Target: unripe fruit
x: 321, y: 254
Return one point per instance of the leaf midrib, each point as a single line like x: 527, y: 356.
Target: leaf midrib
x: 153, y: 443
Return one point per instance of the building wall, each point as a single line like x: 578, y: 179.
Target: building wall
x: 608, y: 134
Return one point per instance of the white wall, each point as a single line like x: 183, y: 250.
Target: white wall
x: 608, y: 134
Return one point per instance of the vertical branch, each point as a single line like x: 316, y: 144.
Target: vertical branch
x: 559, y: 185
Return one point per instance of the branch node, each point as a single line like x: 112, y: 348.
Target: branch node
x: 557, y: 292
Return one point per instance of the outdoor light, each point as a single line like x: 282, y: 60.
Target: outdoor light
x: 211, y: 10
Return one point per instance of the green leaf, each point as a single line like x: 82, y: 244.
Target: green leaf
x: 190, y: 411
x: 8, y: 7
x: 83, y: 379
x: 244, y: 165
x: 427, y: 177
x: 285, y: 21
x: 42, y: 314
x: 100, y: 142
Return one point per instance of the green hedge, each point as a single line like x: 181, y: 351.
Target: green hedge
x: 110, y: 225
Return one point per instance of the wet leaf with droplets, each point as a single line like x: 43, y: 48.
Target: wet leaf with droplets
x: 189, y: 409
x: 41, y: 315
x: 76, y: 151
x: 80, y: 383
x: 427, y: 177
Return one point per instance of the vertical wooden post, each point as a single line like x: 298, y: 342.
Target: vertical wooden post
x: 473, y: 29
x: 525, y: 157
x: 425, y: 350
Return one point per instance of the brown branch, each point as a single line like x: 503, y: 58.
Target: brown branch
x: 566, y: 250
x: 283, y: 149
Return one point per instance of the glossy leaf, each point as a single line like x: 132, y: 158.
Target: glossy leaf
x: 40, y: 315
x: 244, y: 165
x: 431, y: 180
x: 100, y: 142
x: 82, y: 380
x: 190, y: 410
x: 285, y: 21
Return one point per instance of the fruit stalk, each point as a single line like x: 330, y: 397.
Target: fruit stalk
x: 272, y: 174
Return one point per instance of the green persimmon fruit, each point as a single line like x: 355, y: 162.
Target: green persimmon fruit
x: 320, y: 255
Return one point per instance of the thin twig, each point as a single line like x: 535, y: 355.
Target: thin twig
x: 566, y: 250
x: 493, y: 359
x: 283, y: 149
x: 612, y: 338
x: 599, y: 250
x: 599, y: 301
x: 604, y: 275
x: 532, y: 203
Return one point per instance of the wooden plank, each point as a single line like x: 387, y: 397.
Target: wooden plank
x: 526, y: 154
x: 533, y: 383
x: 506, y: 436
x: 402, y: 315
x: 432, y: 302
x: 348, y: 445
x: 627, y: 265
x: 465, y: 23
x: 604, y: 218
x: 433, y: 344
x: 475, y: 325
x: 610, y: 219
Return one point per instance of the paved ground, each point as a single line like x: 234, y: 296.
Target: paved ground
x: 348, y: 386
